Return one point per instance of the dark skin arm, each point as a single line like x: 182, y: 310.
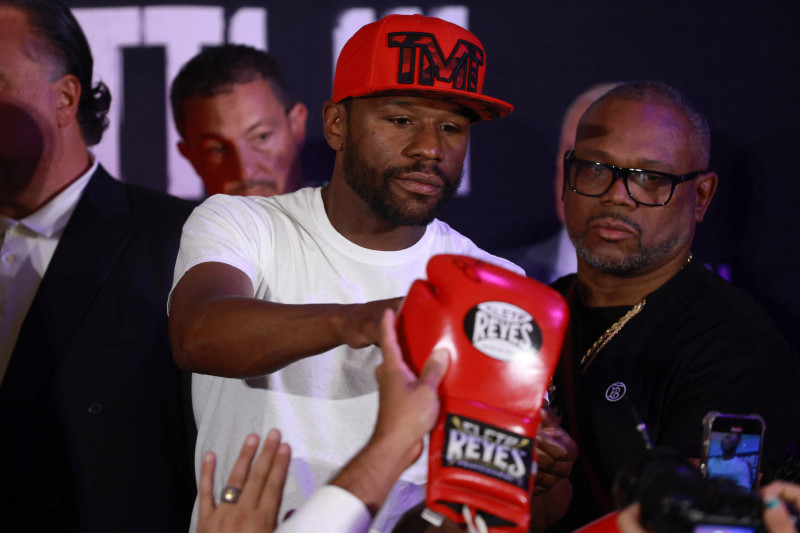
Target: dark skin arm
x: 217, y: 327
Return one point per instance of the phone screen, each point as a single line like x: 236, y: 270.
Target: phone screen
x: 733, y: 448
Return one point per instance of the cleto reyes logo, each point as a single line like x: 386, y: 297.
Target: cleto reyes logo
x: 503, y: 331
x: 488, y: 450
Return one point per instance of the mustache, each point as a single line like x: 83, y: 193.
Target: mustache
x: 419, y: 166
x: 616, y: 216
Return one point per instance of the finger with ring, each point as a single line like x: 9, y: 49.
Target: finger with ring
x: 230, y: 494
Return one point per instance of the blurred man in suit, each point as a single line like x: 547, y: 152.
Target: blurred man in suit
x: 95, y: 434
x: 657, y: 339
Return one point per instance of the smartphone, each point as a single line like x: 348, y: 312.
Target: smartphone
x: 732, y: 447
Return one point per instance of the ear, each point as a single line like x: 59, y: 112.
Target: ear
x: 705, y: 187
x: 68, y: 91
x: 298, y: 116
x: 334, y: 124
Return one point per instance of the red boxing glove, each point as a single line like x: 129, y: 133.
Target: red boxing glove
x: 504, y: 334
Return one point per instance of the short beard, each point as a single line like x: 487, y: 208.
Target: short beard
x: 644, y: 256
x: 374, y: 188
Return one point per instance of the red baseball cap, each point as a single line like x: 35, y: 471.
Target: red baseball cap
x: 417, y: 55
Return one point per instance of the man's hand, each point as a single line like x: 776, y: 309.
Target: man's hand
x: 776, y: 496
x: 256, y: 509
x: 359, y: 325
x: 555, y: 453
x: 409, y: 406
x: 408, y: 410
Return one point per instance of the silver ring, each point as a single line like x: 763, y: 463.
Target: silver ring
x: 230, y: 494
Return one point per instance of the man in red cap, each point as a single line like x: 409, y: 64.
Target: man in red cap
x: 277, y: 301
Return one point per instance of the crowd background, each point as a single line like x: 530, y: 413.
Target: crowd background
x: 738, y: 61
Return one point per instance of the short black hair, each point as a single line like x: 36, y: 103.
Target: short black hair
x: 216, y: 68
x: 662, y: 93
x: 65, y: 46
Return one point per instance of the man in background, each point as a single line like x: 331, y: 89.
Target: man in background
x: 554, y: 257
x: 95, y: 434
x: 657, y: 340
x: 239, y: 127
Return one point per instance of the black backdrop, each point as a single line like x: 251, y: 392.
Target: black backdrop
x: 737, y: 60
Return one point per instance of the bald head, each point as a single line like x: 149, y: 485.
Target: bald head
x: 697, y: 133
x: 569, y: 126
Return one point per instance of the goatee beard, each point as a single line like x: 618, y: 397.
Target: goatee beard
x: 374, y: 188
x: 644, y: 256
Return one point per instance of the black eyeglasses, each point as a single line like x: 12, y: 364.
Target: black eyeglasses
x: 645, y: 187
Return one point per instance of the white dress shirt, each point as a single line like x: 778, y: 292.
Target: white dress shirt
x: 26, y: 248
x: 330, y: 509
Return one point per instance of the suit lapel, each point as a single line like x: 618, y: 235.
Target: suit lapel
x: 97, y: 233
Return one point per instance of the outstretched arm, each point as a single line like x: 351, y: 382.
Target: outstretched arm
x: 217, y: 327
x: 408, y: 410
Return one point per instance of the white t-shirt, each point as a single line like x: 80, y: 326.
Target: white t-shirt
x: 325, y: 406
x: 735, y: 468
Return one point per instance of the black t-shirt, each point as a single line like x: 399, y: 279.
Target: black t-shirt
x: 699, y: 344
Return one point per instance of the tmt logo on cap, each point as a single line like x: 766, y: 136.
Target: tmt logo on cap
x: 419, y: 56
x: 460, y: 69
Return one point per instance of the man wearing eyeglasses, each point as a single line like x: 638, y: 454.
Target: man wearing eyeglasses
x: 657, y: 340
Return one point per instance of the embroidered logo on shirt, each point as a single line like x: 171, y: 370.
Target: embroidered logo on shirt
x: 615, y: 391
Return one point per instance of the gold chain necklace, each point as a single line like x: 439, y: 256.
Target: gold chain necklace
x: 615, y: 328
x: 609, y: 334
x: 598, y: 345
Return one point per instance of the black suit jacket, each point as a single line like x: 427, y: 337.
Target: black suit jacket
x: 96, y: 431
x: 539, y: 259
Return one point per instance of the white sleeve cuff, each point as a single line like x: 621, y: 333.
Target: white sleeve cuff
x: 330, y: 509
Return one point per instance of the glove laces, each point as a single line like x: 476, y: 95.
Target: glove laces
x: 476, y: 523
